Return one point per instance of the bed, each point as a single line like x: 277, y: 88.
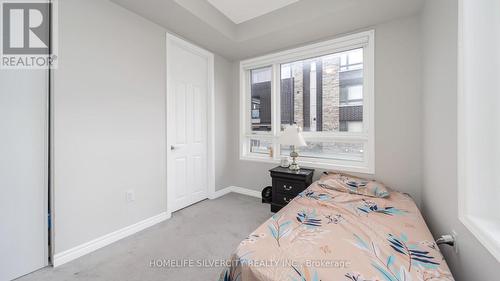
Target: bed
x: 325, y: 234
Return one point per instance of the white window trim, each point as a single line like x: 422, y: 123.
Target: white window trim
x: 364, y: 39
x: 486, y: 231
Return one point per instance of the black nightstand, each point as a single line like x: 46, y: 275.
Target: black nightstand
x: 288, y: 184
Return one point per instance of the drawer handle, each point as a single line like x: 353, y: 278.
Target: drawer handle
x: 287, y: 188
x: 286, y: 200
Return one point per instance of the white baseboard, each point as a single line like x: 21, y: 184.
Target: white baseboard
x: 86, y: 248
x: 236, y: 189
x: 246, y: 191
x: 103, y: 241
x: 220, y: 193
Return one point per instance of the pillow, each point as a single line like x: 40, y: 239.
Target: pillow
x: 355, y: 185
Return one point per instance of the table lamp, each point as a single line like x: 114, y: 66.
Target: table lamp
x: 293, y: 136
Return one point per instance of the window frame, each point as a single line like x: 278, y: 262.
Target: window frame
x: 365, y: 40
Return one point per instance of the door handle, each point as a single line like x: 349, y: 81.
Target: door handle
x: 172, y: 147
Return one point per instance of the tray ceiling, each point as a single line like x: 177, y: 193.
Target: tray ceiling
x: 243, y: 10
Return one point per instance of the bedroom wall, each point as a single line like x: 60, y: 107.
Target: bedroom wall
x: 439, y: 194
x: 223, y: 121
x: 397, y: 113
x: 109, y: 121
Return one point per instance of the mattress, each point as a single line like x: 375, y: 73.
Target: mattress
x: 325, y: 234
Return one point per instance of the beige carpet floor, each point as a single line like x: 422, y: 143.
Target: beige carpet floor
x: 209, y: 230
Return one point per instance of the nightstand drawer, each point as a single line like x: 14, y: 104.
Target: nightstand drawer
x: 282, y: 199
x: 289, y: 187
x: 287, y: 184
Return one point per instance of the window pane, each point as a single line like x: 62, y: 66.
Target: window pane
x: 261, y: 99
x: 324, y: 93
x: 261, y: 146
x: 330, y: 150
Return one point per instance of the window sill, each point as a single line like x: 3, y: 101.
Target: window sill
x: 487, y: 231
x: 318, y: 165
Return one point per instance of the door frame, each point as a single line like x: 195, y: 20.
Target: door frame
x: 172, y: 39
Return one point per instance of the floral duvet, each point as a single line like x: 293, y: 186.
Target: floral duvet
x: 329, y: 235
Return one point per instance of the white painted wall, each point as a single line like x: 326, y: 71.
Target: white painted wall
x: 397, y: 113
x: 109, y: 127
x: 439, y: 88
x: 109, y: 111
x: 223, y: 121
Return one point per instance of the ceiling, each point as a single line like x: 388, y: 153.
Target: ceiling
x: 243, y: 10
x: 291, y: 25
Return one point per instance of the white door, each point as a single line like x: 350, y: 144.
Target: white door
x: 23, y: 170
x: 188, y: 92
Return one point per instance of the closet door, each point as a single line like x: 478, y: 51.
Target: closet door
x: 23, y: 172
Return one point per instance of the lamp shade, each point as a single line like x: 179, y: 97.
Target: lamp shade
x: 292, y: 136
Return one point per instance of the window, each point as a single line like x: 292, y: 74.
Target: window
x: 323, y: 94
x: 261, y: 99
x: 326, y: 89
x: 479, y: 123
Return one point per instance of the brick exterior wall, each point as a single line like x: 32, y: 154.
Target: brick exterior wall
x: 331, y: 94
x: 298, y: 96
